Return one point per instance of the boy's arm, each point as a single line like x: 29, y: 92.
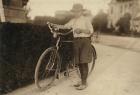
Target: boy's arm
x: 66, y: 26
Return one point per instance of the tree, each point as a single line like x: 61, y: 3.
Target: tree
x: 42, y: 20
x: 100, y: 22
x: 124, y: 23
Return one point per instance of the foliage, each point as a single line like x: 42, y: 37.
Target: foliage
x: 6, y: 2
x: 42, y: 20
x: 20, y: 47
x: 100, y: 22
x: 124, y: 23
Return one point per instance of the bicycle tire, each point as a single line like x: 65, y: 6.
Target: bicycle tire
x: 51, y: 68
x: 94, y: 57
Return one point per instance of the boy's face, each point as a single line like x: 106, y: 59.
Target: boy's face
x: 77, y: 14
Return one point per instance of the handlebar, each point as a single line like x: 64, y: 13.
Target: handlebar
x: 57, y: 30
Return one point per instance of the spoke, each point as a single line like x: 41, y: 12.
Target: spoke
x: 44, y: 74
x: 47, y: 69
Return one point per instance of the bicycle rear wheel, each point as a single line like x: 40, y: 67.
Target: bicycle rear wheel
x: 47, y: 68
x: 90, y: 65
x: 94, y: 57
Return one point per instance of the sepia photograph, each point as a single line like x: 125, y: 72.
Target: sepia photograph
x: 69, y: 47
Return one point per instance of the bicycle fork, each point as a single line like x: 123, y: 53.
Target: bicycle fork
x: 57, y: 43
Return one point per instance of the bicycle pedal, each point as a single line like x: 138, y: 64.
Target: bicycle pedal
x: 58, y: 76
x: 66, y: 74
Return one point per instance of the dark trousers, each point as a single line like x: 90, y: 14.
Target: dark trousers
x: 82, y: 50
x: 83, y: 56
x: 84, y: 72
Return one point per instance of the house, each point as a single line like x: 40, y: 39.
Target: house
x: 13, y: 11
x: 135, y: 24
x: 119, y: 8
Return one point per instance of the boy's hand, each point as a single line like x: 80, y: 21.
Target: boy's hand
x: 78, y: 31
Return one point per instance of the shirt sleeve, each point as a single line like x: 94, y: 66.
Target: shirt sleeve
x: 69, y: 24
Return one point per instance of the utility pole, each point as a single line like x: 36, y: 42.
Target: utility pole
x: 2, y: 16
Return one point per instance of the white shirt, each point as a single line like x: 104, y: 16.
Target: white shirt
x: 83, y: 23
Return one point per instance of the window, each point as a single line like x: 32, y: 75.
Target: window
x: 126, y: 6
x: 111, y: 10
x: 130, y: 5
x: 24, y: 2
x: 121, y: 8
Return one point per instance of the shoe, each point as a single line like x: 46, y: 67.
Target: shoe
x: 81, y: 87
x: 77, y: 85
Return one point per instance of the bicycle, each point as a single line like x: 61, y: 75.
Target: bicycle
x: 52, y: 59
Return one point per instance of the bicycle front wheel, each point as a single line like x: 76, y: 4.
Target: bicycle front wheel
x: 46, y: 68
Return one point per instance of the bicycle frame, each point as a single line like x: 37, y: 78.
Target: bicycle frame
x: 57, y: 43
x: 56, y: 63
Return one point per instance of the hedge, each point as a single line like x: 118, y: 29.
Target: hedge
x: 20, y: 47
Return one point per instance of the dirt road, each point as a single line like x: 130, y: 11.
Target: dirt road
x: 116, y: 73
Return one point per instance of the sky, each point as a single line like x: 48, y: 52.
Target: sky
x: 49, y: 7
